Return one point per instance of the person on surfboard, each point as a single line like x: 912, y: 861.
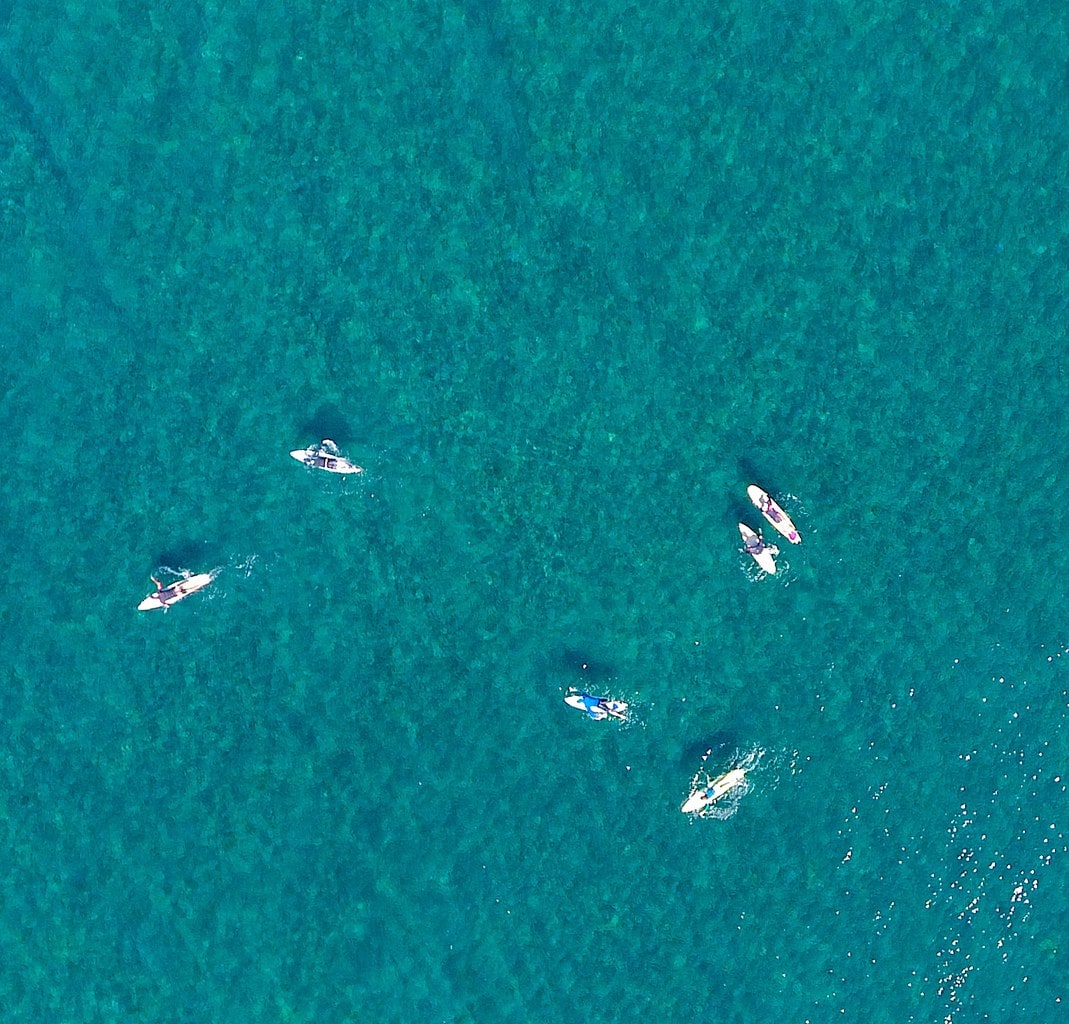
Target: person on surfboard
x: 592, y: 705
x: 768, y: 507
x: 326, y: 455
x: 756, y: 544
x: 610, y: 710
x: 160, y: 592
x: 171, y: 593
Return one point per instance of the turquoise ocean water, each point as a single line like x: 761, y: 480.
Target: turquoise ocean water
x: 565, y: 280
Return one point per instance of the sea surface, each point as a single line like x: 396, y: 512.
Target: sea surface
x: 565, y: 279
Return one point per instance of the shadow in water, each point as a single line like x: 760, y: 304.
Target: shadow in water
x: 327, y: 421
x: 719, y: 743
x: 750, y: 474
x: 194, y: 555
x: 583, y: 671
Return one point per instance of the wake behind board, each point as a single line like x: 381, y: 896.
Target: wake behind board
x: 773, y: 512
x: 764, y: 556
x: 175, y: 592
x: 597, y: 708
x: 702, y: 798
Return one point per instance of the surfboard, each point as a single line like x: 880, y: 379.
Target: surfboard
x: 765, y: 557
x: 176, y: 592
x: 616, y: 708
x: 325, y: 456
x: 703, y: 797
x: 773, y: 512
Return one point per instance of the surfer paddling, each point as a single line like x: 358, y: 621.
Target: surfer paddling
x: 754, y: 545
x: 161, y: 595
x: 327, y: 457
x: 598, y: 708
x: 164, y: 597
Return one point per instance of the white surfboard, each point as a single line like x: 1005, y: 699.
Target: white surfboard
x: 765, y: 557
x: 773, y: 512
x: 175, y: 592
x: 615, y: 708
x: 325, y: 456
x: 702, y: 798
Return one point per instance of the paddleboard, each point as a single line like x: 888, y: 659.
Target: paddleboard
x: 773, y: 512
x: 766, y: 556
x: 702, y: 798
x: 581, y: 702
x: 175, y: 592
x: 325, y: 456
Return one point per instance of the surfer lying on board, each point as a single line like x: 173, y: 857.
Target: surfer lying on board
x: 326, y: 455
x: 173, y: 591
x: 598, y: 707
x: 702, y: 797
x: 768, y: 507
x: 611, y: 709
x: 756, y: 544
x: 161, y: 595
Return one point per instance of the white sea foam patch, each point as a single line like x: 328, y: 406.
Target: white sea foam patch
x: 1004, y: 846
x: 633, y: 719
x: 243, y: 565
x: 246, y: 564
